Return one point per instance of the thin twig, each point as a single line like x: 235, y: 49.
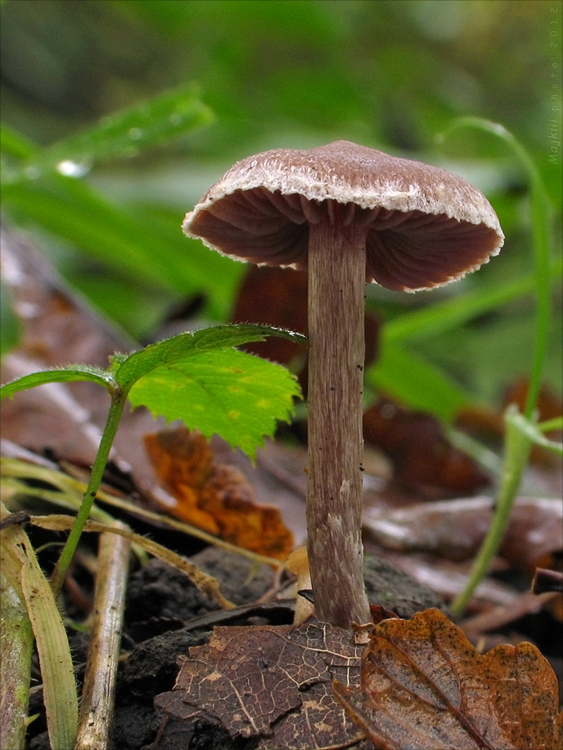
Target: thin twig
x: 103, y: 652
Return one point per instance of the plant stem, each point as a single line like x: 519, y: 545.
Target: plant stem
x: 517, y: 443
x: 337, y: 262
x: 118, y: 399
x: 517, y: 447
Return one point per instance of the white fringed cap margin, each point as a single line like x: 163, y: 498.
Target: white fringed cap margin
x: 424, y: 226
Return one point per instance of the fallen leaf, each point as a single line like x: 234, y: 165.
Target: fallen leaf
x: 423, y: 458
x: 447, y: 579
x: 67, y: 419
x: 276, y: 296
x: 214, y: 497
x: 425, y: 687
x: 455, y: 529
x: 270, y: 683
x: 57, y: 327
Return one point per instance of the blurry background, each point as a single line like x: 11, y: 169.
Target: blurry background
x: 105, y: 196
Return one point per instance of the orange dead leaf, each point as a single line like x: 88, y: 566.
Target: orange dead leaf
x: 424, y: 687
x: 215, y: 497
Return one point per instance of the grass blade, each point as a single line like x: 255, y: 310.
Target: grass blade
x: 59, y: 687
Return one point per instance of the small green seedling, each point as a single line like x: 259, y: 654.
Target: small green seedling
x: 198, y: 377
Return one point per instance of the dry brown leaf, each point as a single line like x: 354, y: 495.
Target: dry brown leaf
x: 215, y: 497
x: 278, y: 297
x: 271, y: 683
x: 424, y: 687
x: 56, y: 328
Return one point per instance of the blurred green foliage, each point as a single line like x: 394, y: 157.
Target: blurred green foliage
x: 118, y: 114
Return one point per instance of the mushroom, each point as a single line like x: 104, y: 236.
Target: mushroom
x: 348, y: 214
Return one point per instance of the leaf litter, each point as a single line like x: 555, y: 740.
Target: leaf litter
x: 418, y: 685
x: 425, y: 687
x: 271, y: 683
x: 213, y: 496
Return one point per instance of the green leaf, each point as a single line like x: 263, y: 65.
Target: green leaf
x: 125, y: 134
x: 9, y: 324
x: 76, y: 212
x: 551, y: 424
x: 15, y: 144
x: 170, y: 351
x: 59, y: 686
x: 236, y: 395
x: 541, y: 222
x: 69, y: 374
x: 447, y: 315
x: 417, y: 383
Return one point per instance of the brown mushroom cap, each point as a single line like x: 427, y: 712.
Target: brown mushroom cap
x: 425, y: 226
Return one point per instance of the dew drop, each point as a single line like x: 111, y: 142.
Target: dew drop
x: 70, y: 168
x: 135, y: 134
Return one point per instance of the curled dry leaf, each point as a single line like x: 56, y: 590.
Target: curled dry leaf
x: 215, y: 497
x: 424, y: 687
x: 269, y: 683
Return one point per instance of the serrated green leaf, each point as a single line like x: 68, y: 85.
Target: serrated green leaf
x: 68, y: 374
x: 188, y: 344
x: 224, y: 391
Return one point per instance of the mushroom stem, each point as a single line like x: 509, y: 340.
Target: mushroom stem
x: 337, y: 272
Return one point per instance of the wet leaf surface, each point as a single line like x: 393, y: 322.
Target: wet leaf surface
x: 271, y: 683
x: 425, y: 687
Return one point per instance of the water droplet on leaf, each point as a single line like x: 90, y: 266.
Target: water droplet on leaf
x: 70, y: 168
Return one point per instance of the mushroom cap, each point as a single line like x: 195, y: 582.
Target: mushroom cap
x: 424, y: 226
